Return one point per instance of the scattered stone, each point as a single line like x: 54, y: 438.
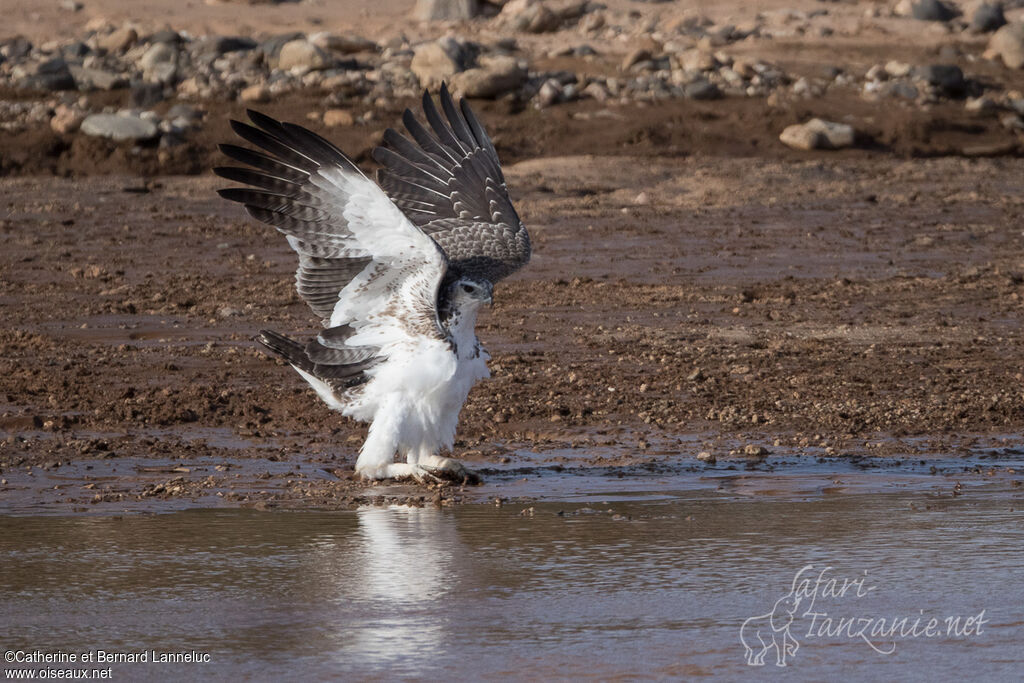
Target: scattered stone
x: 933, y: 10
x: 65, y: 120
x: 50, y: 75
x: 752, y: 450
x: 701, y: 89
x: 348, y: 44
x: 707, y: 457
x: 147, y: 93
x: 988, y: 18
x: 1008, y: 44
x: 897, y: 69
x: 445, y: 10
x: 120, y: 127
x: 160, y: 63
x: 439, y: 61
x: 255, y: 93
x: 494, y: 77
x: 118, y: 41
x: 947, y: 77
x: 302, y: 55
x: 222, y: 45
x: 818, y: 134
x: 338, y: 117
x: 550, y: 93
x: 980, y: 105
x: 634, y: 57
x: 96, y: 79
x: 529, y: 16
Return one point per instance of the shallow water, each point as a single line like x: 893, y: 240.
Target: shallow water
x: 657, y: 585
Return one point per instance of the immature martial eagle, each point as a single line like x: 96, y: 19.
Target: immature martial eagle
x: 397, y: 271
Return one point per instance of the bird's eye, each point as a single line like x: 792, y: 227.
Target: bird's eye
x: 468, y: 289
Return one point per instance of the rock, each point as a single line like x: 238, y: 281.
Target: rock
x: 933, y: 10
x: 97, y: 79
x: 120, y: 127
x: 118, y: 41
x: 302, y: 55
x: 159, y: 63
x: 166, y: 35
x: 529, y: 16
x: 947, y: 77
x: 697, y: 60
x: 550, y: 93
x: 988, y: 18
x: 65, y: 120
x: 597, y: 91
x: 704, y: 456
x: 701, y: 90
x: 494, y: 77
x: 1008, y: 44
x: 754, y: 451
x: 15, y: 48
x: 980, y: 105
x: 51, y: 75
x: 818, y: 134
x: 272, y: 46
x: 445, y: 10
x: 897, y: 69
x: 255, y: 93
x: 634, y: 57
x: 439, y: 61
x: 343, y: 44
x: 222, y: 45
x: 338, y: 117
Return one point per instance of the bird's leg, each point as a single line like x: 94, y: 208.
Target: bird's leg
x: 447, y: 468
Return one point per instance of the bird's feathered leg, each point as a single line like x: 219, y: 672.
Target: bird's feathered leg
x: 377, y: 456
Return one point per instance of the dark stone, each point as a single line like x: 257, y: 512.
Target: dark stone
x: 16, y: 47
x: 702, y: 90
x: 147, y: 94
x: 166, y: 36
x: 75, y: 50
x: 933, y: 10
x: 988, y: 18
x: 947, y: 77
x: 50, y: 75
x: 225, y: 44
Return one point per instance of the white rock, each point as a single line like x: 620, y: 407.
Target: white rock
x: 818, y: 134
x: 1008, y: 43
x: 494, y: 77
x: 302, y: 55
x: 119, y: 127
x: 446, y: 10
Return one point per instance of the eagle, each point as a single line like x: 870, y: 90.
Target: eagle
x: 396, y: 269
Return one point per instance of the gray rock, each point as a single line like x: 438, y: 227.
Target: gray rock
x: 446, y: 10
x: 818, y: 134
x: 159, y: 63
x: 166, y: 36
x: 701, y: 90
x: 76, y: 49
x: 494, y: 77
x: 16, y: 47
x: 947, y: 77
x: 51, y: 75
x: 988, y: 18
x: 1008, y: 43
x: 119, y: 127
x: 933, y: 10
x: 97, y: 79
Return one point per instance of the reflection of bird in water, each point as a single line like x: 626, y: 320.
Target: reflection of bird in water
x: 397, y: 272
x: 404, y: 573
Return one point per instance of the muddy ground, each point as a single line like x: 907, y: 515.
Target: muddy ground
x: 850, y: 306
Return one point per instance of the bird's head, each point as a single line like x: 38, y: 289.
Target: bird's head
x: 470, y: 293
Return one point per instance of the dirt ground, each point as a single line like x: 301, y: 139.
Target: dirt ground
x: 695, y: 287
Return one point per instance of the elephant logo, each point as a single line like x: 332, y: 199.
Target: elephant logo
x: 765, y: 632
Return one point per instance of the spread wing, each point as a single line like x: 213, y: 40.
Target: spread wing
x: 449, y: 183
x: 362, y: 263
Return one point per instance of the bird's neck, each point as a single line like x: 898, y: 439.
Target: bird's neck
x: 461, y: 326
